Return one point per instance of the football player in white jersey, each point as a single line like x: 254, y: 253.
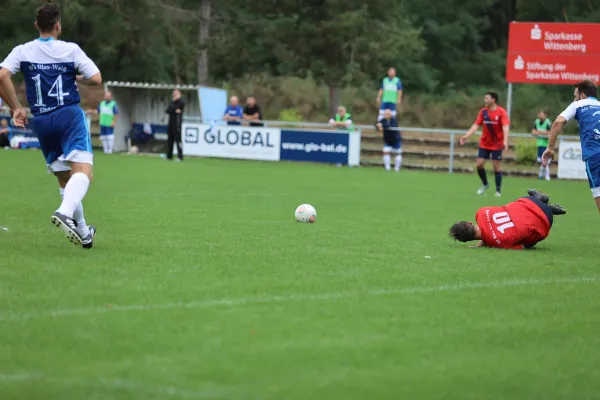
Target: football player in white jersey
x: 51, y: 70
x: 585, y: 109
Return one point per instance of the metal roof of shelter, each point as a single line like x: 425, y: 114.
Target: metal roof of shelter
x: 147, y: 85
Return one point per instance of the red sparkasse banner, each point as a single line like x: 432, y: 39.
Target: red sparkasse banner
x: 548, y: 37
x: 552, y: 68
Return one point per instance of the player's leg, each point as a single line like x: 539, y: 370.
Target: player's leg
x: 77, y: 150
x: 79, y: 217
x: 179, y: 144
x: 111, y: 143
x: 539, y: 160
x: 592, y: 166
x: 543, y: 197
x: 103, y: 135
x: 497, y: 165
x: 170, y: 142
x: 482, y: 155
x: 386, y: 106
x: 387, y: 158
x: 398, y: 157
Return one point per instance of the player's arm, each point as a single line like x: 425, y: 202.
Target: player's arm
x: 115, y: 116
x: 93, y: 80
x: 399, y: 100
x: 10, y: 97
x: 534, y: 131
x: 90, y: 74
x: 10, y: 66
x: 470, y: 132
x: 247, y: 117
x: 3, y: 97
x: 180, y: 107
x: 379, y: 94
x: 479, y: 244
x: 506, y: 131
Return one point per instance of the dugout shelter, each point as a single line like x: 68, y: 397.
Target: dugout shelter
x: 142, y: 107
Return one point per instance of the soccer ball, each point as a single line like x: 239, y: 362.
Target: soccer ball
x: 306, y: 213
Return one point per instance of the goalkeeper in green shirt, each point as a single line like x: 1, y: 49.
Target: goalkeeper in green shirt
x: 541, y: 130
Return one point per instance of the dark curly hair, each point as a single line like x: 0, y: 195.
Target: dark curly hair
x: 47, y: 16
x: 463, y: 231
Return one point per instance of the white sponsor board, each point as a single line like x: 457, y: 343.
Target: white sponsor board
x: 570, y: 163
x: 229, y: 141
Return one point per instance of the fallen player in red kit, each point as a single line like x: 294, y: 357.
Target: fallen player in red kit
x: 517, y: 225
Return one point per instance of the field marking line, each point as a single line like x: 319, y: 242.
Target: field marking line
x: 231, y: 302
x: 114, y: 384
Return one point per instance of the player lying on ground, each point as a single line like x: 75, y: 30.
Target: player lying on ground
x: 517, y: 225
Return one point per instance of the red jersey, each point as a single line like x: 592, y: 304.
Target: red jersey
x: 513, y: 226
x: 492, y: 137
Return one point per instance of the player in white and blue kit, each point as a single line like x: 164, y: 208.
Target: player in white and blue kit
x: 50, y: 68
x: 586, y: 110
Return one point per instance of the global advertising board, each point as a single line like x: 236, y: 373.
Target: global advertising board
x: 553, y: 53
x: 320, y: 146
x: 570, y: 162
x: 229, y: 141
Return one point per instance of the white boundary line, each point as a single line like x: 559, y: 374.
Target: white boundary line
x: 114, y: 385
x: 233, y: 302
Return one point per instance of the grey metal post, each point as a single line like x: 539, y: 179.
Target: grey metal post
x: 509, y: 100
x: 451, y: 163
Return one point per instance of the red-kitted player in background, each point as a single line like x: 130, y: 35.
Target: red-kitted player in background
x: 517, y: 225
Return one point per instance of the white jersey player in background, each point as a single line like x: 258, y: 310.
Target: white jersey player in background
x: 50, y: 68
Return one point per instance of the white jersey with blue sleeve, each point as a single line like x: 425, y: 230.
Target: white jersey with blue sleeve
x: 587, y: 114
x: 50, y: 68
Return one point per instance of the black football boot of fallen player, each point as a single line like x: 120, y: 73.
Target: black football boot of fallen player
x: 543, y: 197
x: 557, y: 209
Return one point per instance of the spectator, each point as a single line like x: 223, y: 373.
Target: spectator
x: 341, y: 120
x: 109, y: 113
x: 389, y: 96
x: 5, y: 131
x: 392, y: 140
x: 541, y: 129
x: 175, y: 111
x: 234, y: 113
x: 252, y: 112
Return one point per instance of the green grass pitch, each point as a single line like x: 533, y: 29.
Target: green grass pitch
x: 201, y: 286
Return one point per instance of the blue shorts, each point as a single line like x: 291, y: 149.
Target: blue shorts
x: 107, y: 130
x: 541, y: 151
x: 485, y: 154
x: 592, y: 166
x: 388, y: 106
x: 64, y: 137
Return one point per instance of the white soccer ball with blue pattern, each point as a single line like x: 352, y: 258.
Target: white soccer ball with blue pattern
x: 306, y: 213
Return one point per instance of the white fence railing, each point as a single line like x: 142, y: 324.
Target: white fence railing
x: 454, y: 134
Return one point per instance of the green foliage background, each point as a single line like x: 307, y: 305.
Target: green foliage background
x: 308, y: 54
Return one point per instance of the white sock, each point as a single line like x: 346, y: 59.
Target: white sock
x: 78, y: 216
x: 548, y: 169
x: 111, y: 141
x: 398, y: 162
x: 387, y: 161
x: 542, y: 168
x: 74, y: 192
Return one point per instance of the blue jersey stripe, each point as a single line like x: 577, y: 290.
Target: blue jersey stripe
x: 88, y: 138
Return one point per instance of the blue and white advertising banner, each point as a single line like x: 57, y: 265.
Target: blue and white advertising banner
x: 320, y: 146
x: 230, y: 141
x: 570, y: 161
x: 271, y: 144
